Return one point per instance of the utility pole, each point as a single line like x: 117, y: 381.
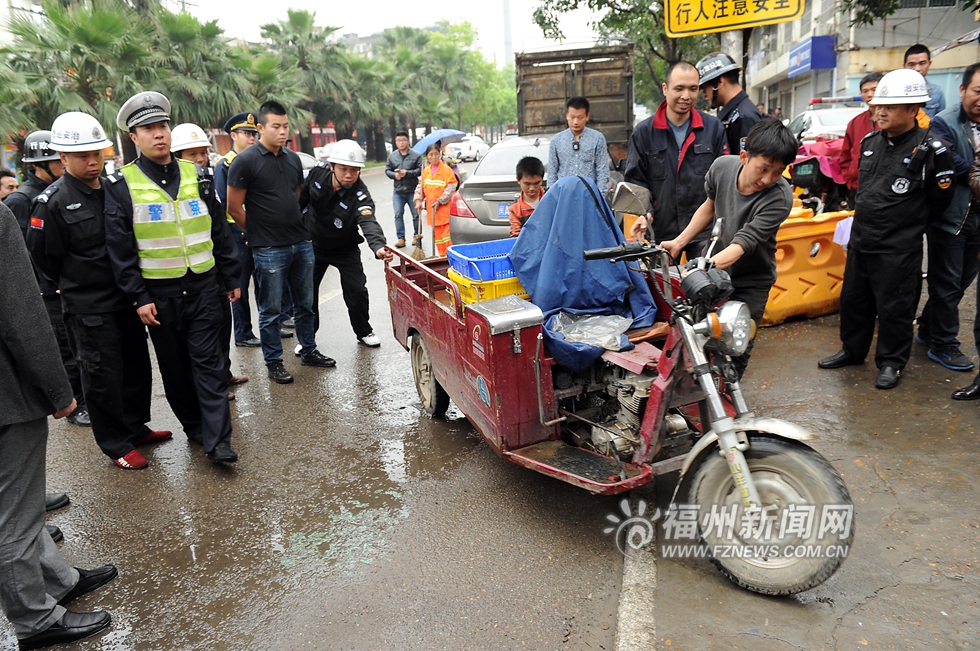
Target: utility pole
x: 508, y: 38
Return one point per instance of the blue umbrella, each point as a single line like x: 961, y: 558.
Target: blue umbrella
x: 445, y: 135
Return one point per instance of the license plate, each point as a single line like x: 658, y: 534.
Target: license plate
x: 502, y: 209
x: 806, y: 169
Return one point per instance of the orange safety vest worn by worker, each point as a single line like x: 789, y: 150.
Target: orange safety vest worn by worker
x: 436, y: 189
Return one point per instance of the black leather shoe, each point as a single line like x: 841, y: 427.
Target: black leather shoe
x: 89, y: 580
x: 55, y: 501
x: 222, y: 453
x: 71, y: 627
x: 318, y: 359
x: 279, y: 374
x: 54, y: 532
x: 971, y: 392
x: 839, y: 360
x: 888, y: 378
x: 286, y: 334
x: 248, y: 343
x: 80, y: 417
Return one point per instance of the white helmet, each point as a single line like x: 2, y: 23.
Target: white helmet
x: 188, y: 136
x: 76, y: 131
x: 346, y: 152
x: 903, y: 86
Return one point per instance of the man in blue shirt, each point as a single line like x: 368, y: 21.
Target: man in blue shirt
x: 578, y: 150
x: 919, y: 59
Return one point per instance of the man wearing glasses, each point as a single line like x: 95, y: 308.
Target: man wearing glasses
x: 578, y: 150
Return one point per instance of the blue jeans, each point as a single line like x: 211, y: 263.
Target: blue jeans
x: 275, y: 268
x: 240, y: 310
x: 399, y: 201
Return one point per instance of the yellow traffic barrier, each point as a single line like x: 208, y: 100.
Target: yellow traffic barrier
x: 809, y: 267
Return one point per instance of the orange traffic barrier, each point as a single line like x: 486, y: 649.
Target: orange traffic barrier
x: 809, y: 267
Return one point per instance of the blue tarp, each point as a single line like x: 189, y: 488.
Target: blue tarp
x: 571, y: 218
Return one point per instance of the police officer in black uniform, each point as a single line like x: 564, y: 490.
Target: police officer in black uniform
x: 177, y: 298
x: 905, y: 181
x: 66, y: 238
x: 719, y: 83
x: 44, y: 167
x: 337, y: 203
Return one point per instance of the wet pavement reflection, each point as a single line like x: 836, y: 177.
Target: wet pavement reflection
x: 352, y: 521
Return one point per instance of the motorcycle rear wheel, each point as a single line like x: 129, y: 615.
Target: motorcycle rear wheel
x: 434, y: 398
x: 785, y: 472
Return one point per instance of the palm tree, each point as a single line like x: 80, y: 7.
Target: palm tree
x: 201, y: 80
x: 307, y: 48
x: 82, y: 58
x: 14, y: 92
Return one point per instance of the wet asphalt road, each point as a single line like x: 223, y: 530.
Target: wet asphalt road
x: 353, y: 521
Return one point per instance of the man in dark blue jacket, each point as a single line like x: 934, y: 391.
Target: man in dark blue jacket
x: 954, y: 241
x: 670, y: 153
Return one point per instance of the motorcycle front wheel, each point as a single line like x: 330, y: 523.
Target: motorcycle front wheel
x: 803, y: 532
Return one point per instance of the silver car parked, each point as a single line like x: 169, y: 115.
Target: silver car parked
x: 478, y: 211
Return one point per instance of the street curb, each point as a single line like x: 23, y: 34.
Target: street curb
x: 636, y: 621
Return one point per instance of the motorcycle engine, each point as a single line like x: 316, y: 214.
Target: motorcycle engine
x: 620, y: 433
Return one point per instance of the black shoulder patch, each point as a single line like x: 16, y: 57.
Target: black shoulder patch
x: 868, y: 135
x: 115, y: 177
x: 47, y: 194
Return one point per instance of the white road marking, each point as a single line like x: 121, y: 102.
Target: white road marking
x: 326, y: 297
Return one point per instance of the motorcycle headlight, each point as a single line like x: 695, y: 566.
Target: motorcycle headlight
x: 736, y: 328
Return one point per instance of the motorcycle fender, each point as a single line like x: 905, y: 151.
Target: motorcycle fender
x: 780, y: 428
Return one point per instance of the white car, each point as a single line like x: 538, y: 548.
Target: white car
x: 822, y: 122
x: 469, y: 148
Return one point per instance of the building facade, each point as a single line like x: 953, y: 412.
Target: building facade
x: 822, y: 55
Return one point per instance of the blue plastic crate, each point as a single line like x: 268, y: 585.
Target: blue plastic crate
x: 483, y: 261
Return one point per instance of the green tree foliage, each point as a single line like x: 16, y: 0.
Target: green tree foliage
x: 641, y: 22
x: 92, y: 56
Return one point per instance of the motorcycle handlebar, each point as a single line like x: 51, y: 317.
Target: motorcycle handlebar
x: 614, y: 251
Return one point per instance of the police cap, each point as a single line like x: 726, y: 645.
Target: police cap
x: 142, y: 109
x: 242, y: 122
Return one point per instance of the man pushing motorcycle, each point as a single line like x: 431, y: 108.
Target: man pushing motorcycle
x: 750, y: 195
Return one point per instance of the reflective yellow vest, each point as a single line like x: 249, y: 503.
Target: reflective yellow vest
x: 228, y: 158
x: 172, y: 236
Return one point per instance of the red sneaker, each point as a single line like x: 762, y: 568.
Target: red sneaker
x: 156, y: 436
x: 132, y: 461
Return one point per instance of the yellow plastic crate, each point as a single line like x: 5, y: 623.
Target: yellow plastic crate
x: 474, y: 291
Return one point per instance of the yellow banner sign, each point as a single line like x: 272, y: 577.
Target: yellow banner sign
x: 692, y: 17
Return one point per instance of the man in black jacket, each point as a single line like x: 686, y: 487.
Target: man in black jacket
x: 37, y: 581
x: 44, y: 167
x: 719, y: 81
x: 671, y: 152
x: 905, y: 184
x: 336, y: 203
x: 67, y: 240
x: 404, y: 167
x: 174, y: 282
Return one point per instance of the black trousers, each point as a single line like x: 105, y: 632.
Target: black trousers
x: 755, y: 298
x: 52, y: 304
x: 886, y: 287
x: 114, y: 365
x: 952, y: 269
x: 192, y: 365
x: 353, y: 283
x: 224, y: 336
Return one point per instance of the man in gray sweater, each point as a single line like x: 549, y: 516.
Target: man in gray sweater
x: 35, y: 580
x: 749, y: 193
